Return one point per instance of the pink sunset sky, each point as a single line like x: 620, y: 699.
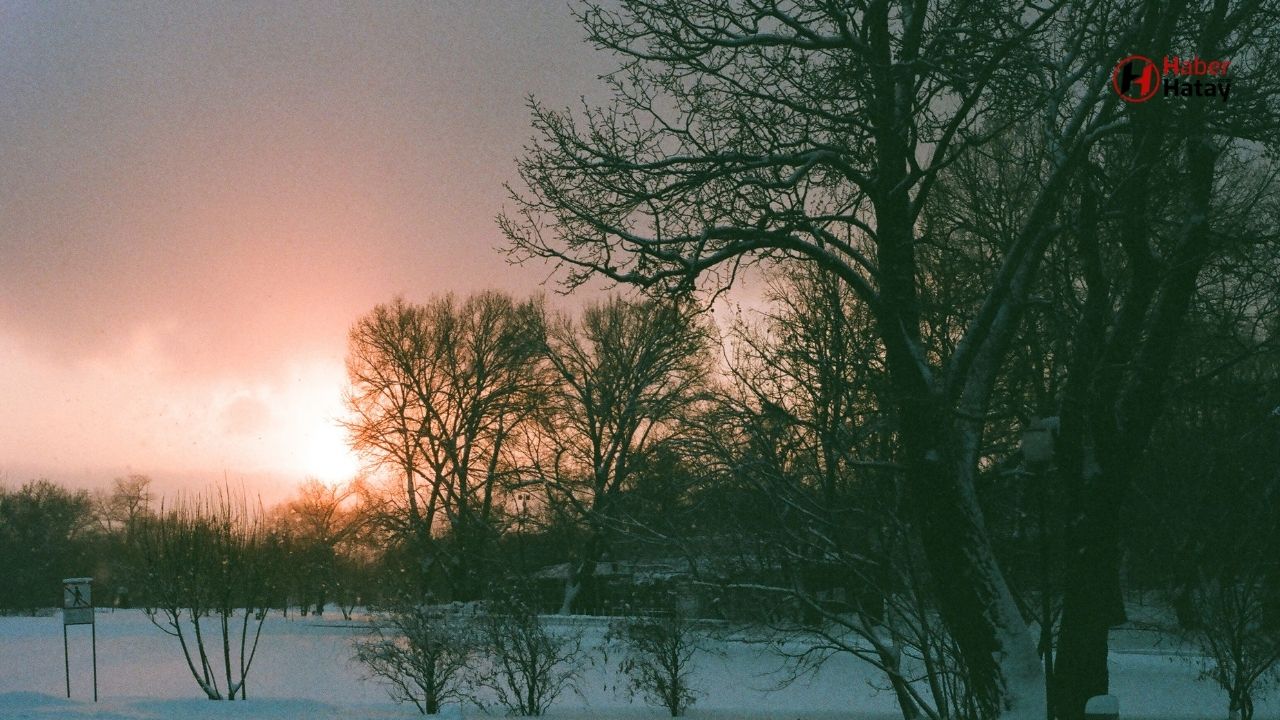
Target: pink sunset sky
x: 197, y: 200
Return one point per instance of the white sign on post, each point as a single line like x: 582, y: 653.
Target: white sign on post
x: 77, y: 601
x: 77, y: 609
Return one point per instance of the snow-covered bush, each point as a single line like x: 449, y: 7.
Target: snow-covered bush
x: 529, y: 665
x: 658, y: 657
x: 422, y: 655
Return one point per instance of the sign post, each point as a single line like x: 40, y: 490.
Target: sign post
x: 77, y: 609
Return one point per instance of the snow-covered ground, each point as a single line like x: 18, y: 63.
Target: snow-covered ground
x: 304, y: 671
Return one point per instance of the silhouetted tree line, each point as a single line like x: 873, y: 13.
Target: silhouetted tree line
x: 753, y: 466
x: 45, y: 534
x: 311, y: 551
x: 747, y: 465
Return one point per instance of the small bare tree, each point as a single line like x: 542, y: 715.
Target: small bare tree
x: 1231, y: 597
x: 529, y: 665
x: 1218, y: 473
x: 658, y: 657
x: 423, y: 656
x: 203, y: 564
x: 896, y: 630
x: 1242, y: 651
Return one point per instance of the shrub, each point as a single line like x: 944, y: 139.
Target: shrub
x: 658, y: 657
x: 423, y: 656
x: 528, y: 665
x: 204, y: 565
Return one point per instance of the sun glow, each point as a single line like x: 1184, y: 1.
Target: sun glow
x: 316, y: 444
x: 297, y: 424
x: 326, y: 455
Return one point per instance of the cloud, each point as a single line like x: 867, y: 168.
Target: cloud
x: 245, y: 415
x: 196, y: 201
x: 137, y: 409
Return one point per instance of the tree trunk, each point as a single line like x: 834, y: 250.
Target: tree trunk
x: 572, y: 589
x: 1002, y: 667
x: 581, y: 573
x: 1092, y: 602
x: 1108, y: 416
x: 891, y: 656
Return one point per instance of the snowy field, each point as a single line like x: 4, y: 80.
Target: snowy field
x: 304, y: 671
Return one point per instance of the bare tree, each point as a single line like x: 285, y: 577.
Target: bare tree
x: 320, y: 520
x: 436, y: 391
x: 659, y: 655
x: 811, y: 130
x: 424, y: 656
x: 1240, y: 641
x: 204, y: 566
x: 625, y: 375
x: 128, y: 500
x: 1216, y: 461
x: 528, y: 665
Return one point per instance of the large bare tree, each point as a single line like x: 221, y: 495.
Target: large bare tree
x: 808, y: 129
x: 765, y: 130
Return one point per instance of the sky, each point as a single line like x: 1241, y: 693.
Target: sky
x: 198, y: 199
